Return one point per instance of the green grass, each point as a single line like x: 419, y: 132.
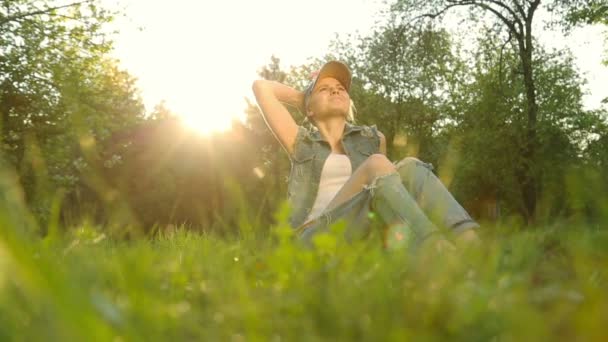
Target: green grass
x: 537, y: 284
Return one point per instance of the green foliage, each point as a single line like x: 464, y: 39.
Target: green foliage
x: 580, y: 11
x: 404, y: 77
x: 574, y: 13
x: 61, y: 98
x: 514, y: 19
x: 210, y: 181
x: 487, y: 131
x: 547, y: 284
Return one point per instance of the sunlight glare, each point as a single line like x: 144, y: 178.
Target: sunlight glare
x: 194, y: 56
x: 208, y: 118
x: 205, y: 126
x: 206, y: 107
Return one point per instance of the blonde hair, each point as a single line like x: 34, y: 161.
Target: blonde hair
x: 352, y: 110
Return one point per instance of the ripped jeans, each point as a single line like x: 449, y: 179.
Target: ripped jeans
x: 412, y: 204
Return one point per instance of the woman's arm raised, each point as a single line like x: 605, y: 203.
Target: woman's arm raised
x: 270, y: 96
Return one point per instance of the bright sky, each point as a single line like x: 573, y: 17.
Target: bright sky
x: 202, y: 56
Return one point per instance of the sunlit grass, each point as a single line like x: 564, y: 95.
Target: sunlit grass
x: 85, y: 285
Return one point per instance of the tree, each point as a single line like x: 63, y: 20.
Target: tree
x: 404, y: 76
x: 61, y: 95
x: 24, y: 10
x: 516, y: 17
x: 575, y: 12
x: 488, y: 127
x: 579, y: 12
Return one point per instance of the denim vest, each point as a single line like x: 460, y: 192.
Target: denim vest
x: 308, y: 158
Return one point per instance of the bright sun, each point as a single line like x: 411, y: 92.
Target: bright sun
x: 207, y: 125
x: 211, y: 113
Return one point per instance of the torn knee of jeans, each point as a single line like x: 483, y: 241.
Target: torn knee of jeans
x: 374, y: 183
x: 411, y: 161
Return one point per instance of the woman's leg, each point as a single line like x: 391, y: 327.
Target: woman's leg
x: 351, y: 202
x: 355, y: 213
x: 390, y: 199
x: 374, y: 166
x: 432, y: 196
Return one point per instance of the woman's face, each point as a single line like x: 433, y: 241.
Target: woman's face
x: 328, y: 98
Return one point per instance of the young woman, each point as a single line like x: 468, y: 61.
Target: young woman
x: 340, y: 170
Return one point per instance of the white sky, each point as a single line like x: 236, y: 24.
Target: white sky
x: 202, y: 56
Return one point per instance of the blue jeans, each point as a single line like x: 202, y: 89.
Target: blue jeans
x: 411, y: 202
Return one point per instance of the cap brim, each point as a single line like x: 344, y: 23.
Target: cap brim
x: 337, y: 70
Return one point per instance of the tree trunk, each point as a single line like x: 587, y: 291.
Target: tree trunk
x: 390, y: 141
x: 527, y: 176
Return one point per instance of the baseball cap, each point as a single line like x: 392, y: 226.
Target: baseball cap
x: 335, y: 69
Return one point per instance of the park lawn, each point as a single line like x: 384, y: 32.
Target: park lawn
x: 535, y: 284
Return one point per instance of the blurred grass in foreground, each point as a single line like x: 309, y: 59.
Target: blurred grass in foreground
x: 178, y: 285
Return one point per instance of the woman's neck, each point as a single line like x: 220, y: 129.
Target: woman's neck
x: 332, y: 130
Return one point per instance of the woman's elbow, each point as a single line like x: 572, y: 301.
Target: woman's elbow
x: 257, y: 85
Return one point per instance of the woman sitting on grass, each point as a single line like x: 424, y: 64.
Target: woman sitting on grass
x: 340, y: 170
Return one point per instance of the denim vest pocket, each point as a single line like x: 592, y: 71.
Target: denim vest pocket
x: 301, y: 161
x: 300, y: 157
x: 301, y: 168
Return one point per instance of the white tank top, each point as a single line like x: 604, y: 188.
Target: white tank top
x: 336, y: 171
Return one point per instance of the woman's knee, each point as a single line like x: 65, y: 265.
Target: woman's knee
x: 408, y: 162
x: 414, y: 172
x: 379, y: 164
